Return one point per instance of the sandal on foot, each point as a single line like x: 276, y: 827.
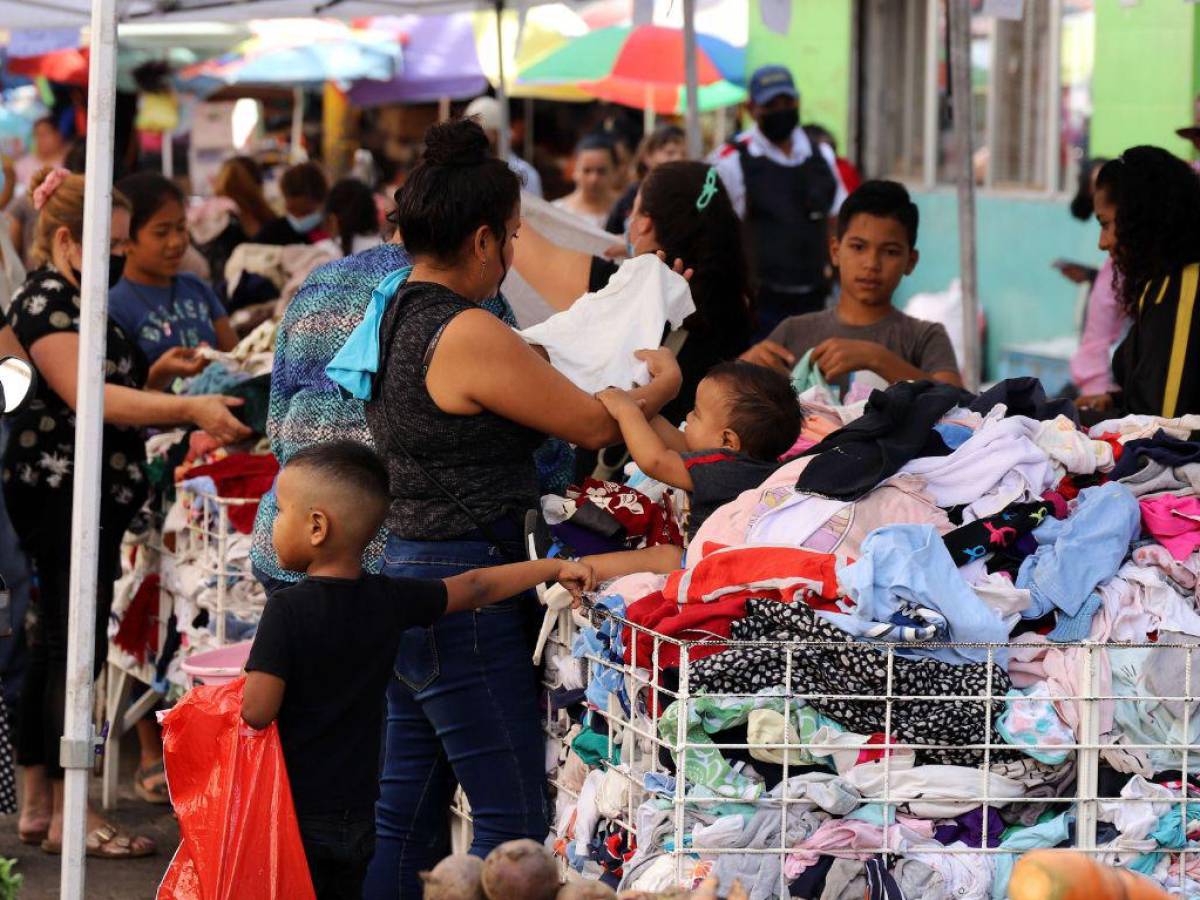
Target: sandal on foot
x: 158, y: 794
x: 109, y: 842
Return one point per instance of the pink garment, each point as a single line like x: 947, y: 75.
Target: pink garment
x: 1182, y: 573
x: 854, y: 839
x: 901, y: 500
x: 727, y: 526
x: 1031, y: 658
x: 635, y: 587
x: 802, y: 445
x: 1091, y: 364
x: 1174, y: 522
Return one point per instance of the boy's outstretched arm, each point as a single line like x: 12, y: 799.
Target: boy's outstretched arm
x: 839, y: 356
x: 261, y: 699
x: 646, y: 446
x: 482, y: 587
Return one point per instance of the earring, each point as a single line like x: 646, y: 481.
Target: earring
x: 483, y: 269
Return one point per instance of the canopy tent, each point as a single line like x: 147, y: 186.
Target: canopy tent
x: 78, y: 746
x: 79, y: 741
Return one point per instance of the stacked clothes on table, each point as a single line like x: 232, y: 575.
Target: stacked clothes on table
x: 900, y: 621
x: 164, y: 601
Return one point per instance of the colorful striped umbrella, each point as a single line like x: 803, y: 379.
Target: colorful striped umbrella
x: 643, y: 67
x: 456, y: 55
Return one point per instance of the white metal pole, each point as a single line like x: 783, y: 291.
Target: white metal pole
x: 505, y: 143
x: 77, y: 752
x: 960, y: 80
x: 168, y: 154
x: 297, y: 153
x: 692, y: 80
x: 1054, y: 95
x: 929, y: 138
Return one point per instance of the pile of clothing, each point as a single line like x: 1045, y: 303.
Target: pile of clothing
x: 900, y: 622
x: 164, y: 604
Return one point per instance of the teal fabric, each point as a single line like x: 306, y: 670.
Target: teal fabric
x: 807, y: 375
x: 1044, y: 835
x: 592, y: 748
x: 355, y: 365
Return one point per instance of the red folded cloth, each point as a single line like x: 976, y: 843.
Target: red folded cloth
x: 240, y: 476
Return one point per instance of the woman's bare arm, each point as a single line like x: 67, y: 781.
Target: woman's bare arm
x: 480, y: 363
x: 558, y: 274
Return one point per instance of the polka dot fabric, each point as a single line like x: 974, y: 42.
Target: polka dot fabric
x: 845, y: 669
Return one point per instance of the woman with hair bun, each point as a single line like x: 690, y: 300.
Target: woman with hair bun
x: 1148, y: 204
x: 460, y: 403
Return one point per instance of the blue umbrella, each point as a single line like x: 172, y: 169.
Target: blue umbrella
x: 297, y: 52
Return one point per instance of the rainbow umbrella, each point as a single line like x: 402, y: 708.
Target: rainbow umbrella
x: 643, y: 67
x: 457, y: 55
x: 529, y: 36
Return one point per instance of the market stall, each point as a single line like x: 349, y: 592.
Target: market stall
x: 909, y: 680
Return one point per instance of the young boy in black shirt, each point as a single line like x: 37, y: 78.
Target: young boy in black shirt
x: 326, y: 647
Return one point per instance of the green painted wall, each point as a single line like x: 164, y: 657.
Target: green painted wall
x: 1024, y: 299
x: 1146, y: 79
x: 817, y: 50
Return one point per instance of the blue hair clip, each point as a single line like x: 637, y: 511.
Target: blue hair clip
x: 709, y: 190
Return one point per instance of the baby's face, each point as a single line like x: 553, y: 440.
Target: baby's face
x: 708, y: 422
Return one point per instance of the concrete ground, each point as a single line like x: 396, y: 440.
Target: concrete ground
x: 107, y: 879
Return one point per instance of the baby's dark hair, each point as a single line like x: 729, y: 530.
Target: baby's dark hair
x: 763, y: 410
x: 346, y: 462
x: 884, y: 199
x: 148, y: 192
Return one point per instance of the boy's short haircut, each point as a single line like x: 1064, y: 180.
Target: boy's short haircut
x: 763, y: 412
x: 345, y: 464
x: 885, y: 199
x: 305, y: 180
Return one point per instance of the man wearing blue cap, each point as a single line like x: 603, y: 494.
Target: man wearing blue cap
x: 784, y: 189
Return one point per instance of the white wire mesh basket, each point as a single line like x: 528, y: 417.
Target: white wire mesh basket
x: 207, y: 543
x: 655, y: 728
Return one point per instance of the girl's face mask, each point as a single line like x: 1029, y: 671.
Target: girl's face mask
x: 305, y: 224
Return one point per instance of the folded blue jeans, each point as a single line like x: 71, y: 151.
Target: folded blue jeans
x: 462, y: 709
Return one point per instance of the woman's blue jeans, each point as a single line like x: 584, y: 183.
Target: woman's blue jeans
x: 462, y: 709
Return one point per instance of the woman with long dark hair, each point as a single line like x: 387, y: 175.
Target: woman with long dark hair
x: 459, y: 404
x: 682, y: 211
x: 1148, y: 205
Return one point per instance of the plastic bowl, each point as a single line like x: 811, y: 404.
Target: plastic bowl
x: 218, y: 666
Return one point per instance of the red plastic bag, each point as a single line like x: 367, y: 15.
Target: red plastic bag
x: 239, y: 837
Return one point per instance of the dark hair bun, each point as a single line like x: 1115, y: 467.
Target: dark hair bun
x: 458, y: 143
